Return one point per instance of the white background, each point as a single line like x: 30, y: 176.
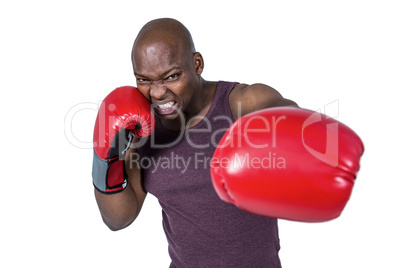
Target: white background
x: 56, y: 55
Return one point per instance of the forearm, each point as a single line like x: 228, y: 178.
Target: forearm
x: 119, y: 194
x: 118, y: 210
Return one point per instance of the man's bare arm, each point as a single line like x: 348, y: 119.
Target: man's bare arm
x: 245, y: 99
x: 119, y: 210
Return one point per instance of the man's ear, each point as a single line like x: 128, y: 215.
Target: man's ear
x: 198, y: 62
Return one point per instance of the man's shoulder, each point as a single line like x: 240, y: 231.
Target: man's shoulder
x: 251, y: 89
x: 246, y: 98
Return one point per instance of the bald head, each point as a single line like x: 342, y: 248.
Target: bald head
x: 168, y: 69
x: 169, y: 33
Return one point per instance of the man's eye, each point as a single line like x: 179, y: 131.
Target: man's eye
x: 173, y: 76
x: 142, y: 80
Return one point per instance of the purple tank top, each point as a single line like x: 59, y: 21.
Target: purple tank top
x: 201, y: 229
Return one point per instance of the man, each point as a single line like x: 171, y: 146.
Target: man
x: 191, y: 116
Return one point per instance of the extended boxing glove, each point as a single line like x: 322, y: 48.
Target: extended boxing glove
x: 287, y: 163
x: 124, y: 112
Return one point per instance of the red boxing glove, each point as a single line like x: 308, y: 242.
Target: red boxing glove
x: 287, y: 163
x: 125, y: 111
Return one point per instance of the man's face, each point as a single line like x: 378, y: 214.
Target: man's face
x: 167, y: 76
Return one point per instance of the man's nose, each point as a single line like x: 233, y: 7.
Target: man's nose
x: 158, y: 90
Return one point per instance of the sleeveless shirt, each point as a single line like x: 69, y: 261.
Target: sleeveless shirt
x: 201, y: 229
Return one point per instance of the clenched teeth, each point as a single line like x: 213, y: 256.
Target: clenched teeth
x: 166, y: 105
